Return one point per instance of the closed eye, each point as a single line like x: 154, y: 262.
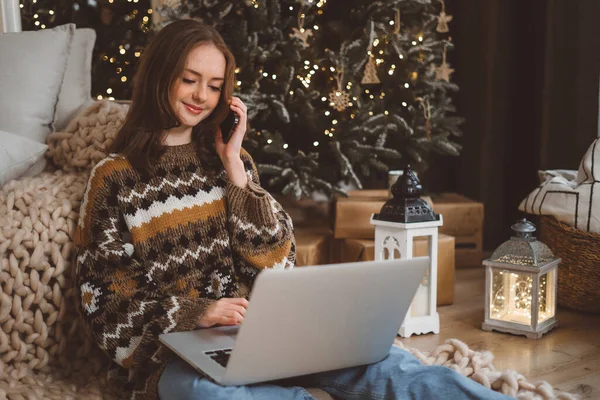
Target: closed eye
x: 188, y: 81
x: 215, y: 88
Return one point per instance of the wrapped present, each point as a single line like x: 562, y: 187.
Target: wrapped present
x: 351, y: 250
x: 313, y: 245
x: 463, y: 219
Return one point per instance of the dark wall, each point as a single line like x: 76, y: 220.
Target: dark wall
x: 528, y: 73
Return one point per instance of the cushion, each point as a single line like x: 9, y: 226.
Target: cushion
x: 77, y: 84
x: 19, y: 157
x: 571, y: 197
x: 32, y: 68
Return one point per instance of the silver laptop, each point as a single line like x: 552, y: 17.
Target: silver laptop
x: 306, y: 320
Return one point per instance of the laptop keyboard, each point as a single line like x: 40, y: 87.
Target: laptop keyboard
x: 220, y: 356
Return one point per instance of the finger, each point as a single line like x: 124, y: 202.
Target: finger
x: 237, y: 109
x: 240, y: 301
x: 239, y: 309
x: 238, y: 101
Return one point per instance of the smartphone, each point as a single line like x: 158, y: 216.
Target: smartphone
x: 228, y: 125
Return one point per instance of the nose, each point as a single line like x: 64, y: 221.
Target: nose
x: 200, y: 95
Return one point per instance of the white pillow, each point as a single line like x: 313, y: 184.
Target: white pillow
x: 19, y: 157
x: 77, y: 86
x: 32, y: 68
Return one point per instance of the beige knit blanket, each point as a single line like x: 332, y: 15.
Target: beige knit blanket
x: 43, y: 351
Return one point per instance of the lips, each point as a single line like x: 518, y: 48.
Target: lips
x: 193, y: 109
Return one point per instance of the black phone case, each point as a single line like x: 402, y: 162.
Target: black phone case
x: 228, y: 125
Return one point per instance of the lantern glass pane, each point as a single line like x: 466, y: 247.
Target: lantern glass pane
x: 547, y: 297
x: 510, y: 296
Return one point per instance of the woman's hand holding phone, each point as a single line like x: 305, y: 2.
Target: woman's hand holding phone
x: 229, y: 152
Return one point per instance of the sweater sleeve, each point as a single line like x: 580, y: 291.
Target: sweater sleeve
x: 261, y: 231
x: 123, y: 312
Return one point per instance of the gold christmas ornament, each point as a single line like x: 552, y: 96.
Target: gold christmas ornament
x: 370, y: 77
x: 443, y: 20
x: 339, y: 98
x: 397, y: 22
x: 444, y: 71
x: 427, y: 115
x: 300, y: 32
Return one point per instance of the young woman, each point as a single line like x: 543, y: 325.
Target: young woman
x: 174, y: 227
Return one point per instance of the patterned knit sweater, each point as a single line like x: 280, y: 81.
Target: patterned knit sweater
x: 154, y: 253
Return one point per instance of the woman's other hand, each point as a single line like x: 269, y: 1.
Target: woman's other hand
x: 225, y: 311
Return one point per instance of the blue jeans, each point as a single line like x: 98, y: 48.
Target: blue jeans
x: 398, y: 376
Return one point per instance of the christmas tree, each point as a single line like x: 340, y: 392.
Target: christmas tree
x: 337, y: 90
x: 122, y: 32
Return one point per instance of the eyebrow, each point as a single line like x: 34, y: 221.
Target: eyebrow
x: 199, y: 74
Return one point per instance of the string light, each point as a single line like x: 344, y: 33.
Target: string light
x: 285, y: 146
x: 269, y: 141
x: 315, y: 143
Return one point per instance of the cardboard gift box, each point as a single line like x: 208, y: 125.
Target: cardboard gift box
x: 313, y: 245
x: 352, y: 250
x: 463, y: 219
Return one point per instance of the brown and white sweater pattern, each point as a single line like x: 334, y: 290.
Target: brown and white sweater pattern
x: 153, y: 254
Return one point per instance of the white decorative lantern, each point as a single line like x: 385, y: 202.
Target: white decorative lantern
x: 402, y: 218
x: 520, y: 281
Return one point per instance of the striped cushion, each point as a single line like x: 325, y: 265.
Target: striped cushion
x: 572, y: 198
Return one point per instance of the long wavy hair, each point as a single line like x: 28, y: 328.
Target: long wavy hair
x: 151, y: 115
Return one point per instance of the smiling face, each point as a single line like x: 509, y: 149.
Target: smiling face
x: 197, y: 91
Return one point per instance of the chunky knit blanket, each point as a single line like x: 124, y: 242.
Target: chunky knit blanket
x: 43, y: 351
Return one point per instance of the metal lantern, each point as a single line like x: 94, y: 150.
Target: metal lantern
x: 402, y: 218
x: 521, y: 286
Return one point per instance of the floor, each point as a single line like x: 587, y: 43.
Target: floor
x: 567, y: 357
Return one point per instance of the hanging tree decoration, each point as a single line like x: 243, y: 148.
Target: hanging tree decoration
x: 370, y: 76
x: 443, y: 20
x: 427, y: 115
x: 444, y: 71
x: 397, y: 22
x: 339, y: 98
x: 300, y: 32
